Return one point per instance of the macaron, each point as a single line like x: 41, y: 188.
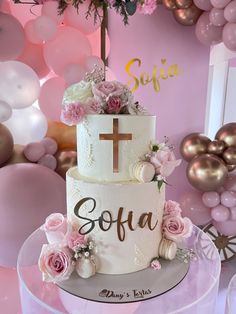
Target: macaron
x: 167, y: 249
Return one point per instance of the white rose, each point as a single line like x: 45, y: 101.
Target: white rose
x: 79, y: 92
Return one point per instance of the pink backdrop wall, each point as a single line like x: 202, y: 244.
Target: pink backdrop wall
x: 180, y: 104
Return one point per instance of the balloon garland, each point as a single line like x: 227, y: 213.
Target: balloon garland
x: 210, y: 170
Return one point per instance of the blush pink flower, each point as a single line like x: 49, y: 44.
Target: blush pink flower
x: 146, y: 6
x: 176, y: 228
x: 106, y: 89
x: 164, y: 161
x: 73, y: 113
x: 114, y: 105
x: 55, y: 228
x: 172, y: 208
x: 94, y: 106
x: 155, y: 264
x: 55, y: 263
x: 76, y: 240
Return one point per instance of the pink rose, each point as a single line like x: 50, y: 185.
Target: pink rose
x: 107, y: 89
x: 76, y: 240
x: 55, y: 263
x: 164, y: 161
x: 114, y: 105
x: 73, y: 113
x: 94, y: 106
x: 155, y: 264
x: 172, y: 208
x: 176, y: 228
x: 55, y: 227
x: 147, y: 6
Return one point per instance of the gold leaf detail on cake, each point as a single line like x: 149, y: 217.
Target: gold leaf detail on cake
x: 139, y: 258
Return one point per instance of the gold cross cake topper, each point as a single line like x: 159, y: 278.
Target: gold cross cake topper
x: 116, y: 137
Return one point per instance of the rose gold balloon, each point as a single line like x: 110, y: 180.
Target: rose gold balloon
x: 64, y: 135
x: 229, y: 155
x: 65, y: 160
x: 183, y: 4
x: 6, y: 144
x: 170, y: 4
x: 187, y: 17
x: 194, y: 144
x: 207, y: 172
x: 216, y: 147
x: 17, y: 156
x: 231, y: 167
x: 227, y: 134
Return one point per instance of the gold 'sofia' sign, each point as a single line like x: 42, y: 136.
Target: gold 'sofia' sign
x: 105, y: 221
x: 157, y: 75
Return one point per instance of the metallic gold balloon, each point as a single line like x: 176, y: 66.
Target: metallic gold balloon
x: 183, y: 4
x: 227, y: 134
x: 229, y: 155
x: 231, y: 167
x: 187, y: 17
x: 207, y: 172
x: 64, y: 135
x: 6, y: 144
x: 17, y: 156
x: 216, y: 147
x: 170, y: 4
x: 194, y: 144
x: 65, y: 160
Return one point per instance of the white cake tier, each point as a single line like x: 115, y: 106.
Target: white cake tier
x: 129, y: 205
x: 100, y: 158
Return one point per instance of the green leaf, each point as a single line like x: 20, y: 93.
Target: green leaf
x: 159, y: 184
x: 131, y: 7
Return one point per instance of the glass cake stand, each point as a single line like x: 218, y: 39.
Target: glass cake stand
x: 231, y: 297
x: 196, y: 294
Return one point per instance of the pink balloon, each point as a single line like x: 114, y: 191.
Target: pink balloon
x: 220, y: 213
x: 19, y: 84
x: 5, y: 7
x: 230, y: 12
x: 193, y: 207
x: 232, y: 213
x: 229, y: 36
x: 206, y: 32
x: 217, y: 17
x: 28, y: 194
x: 80, y: 20
x: 31, y: 33
x: 34, y: 151
x: 48, y: 161
x: 204, y: 5
x: 91, y: 61
x: 12, y: 37
x: 220, y: 4
x: 70, y: 46
x: 45, y: 28
x: 228, y: 198
x: 74, y: 73
x: 50, y: 145
x: 50, y: 9
x: 95, y: 42
x: 9, y: 291
x: 227, y: 228
x: 211, y: 199
x: 50, y: 98
x: 33, y: 56
x: 24, y: 14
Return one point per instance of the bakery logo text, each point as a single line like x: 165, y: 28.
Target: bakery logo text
x: 105, y: 221
x: 157, y: 75
x: 135, y: 293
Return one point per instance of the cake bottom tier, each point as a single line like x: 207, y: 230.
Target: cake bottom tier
x: 123, y: 219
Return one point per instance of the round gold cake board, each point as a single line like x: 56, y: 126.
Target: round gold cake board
x: 134, y: 287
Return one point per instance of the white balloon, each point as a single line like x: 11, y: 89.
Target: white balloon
x: 27, y: 125
x: 19, y: 84
x: 5, y: 111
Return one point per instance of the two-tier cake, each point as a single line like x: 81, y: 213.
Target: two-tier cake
x: 117, y: 219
